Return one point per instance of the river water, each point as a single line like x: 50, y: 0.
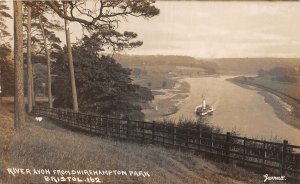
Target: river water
x: 236, y: 108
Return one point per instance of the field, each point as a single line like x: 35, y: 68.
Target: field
x: 44, y: 145
x: 155, y: 82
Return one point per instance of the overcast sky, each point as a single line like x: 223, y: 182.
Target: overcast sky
x: 218, y: 29
x: 222, y: 29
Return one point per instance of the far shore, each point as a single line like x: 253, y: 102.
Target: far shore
x: 285, y: 108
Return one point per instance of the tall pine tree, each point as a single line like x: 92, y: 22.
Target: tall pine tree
x: 6, y: 66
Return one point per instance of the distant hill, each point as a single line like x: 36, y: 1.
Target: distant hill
x: 137, y: 60
x: 222, y: 66
x: 252, y: 65
x: 166, y: 62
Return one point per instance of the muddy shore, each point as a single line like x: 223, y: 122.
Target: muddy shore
x: 166, y: 101
x: 287, y: 109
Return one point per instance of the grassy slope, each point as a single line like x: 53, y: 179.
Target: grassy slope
x: 44, y: 145
x: 6, y: 133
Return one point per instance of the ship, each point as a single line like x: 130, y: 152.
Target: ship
x: 204, y: 109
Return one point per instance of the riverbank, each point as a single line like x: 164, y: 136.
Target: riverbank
x: 166, y: 101
x: 286, y: 107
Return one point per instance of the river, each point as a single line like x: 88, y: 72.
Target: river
x: 236, y: 108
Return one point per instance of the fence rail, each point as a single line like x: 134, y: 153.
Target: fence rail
x: 282, y: 158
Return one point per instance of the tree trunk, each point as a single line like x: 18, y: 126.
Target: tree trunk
x: 32, y: 90
x: 18, y: 66
x: 48, y: 64
x: 29, y: 64
x: 0, y: 85
x: 71, y: 66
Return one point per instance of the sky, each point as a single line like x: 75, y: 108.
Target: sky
x: 216, y: 30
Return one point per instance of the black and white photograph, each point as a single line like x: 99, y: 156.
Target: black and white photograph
x: 150, y: 91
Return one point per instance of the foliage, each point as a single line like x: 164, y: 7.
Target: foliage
x: 103, y: 86
x: 40, y: 79
x: 37, y: 43
x: 105, y: 15
x: 6, y: 66
x: 43, y: 39
x: 6, y: 76
x: 137, y: 72
x: 4, y: 15
x: 281, y: 74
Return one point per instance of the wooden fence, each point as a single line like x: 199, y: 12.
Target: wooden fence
x: 280, y: 158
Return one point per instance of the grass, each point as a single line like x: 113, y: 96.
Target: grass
x: 156, y: 81
x: 44, y: 145
x: 6, y: 132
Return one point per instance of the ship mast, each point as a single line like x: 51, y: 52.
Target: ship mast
x: 203, y: 103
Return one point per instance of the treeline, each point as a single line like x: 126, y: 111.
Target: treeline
x: 167, y: 60
x: 78, y: 76
x: 281, y: 74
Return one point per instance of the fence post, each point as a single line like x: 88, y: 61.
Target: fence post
x: 174, y: 135
x: 163, y: 134
x: 212, y: 143
x: 136, y: 127
x: 96, y: 124
x: 90, y: 119
x: 187, y: 138
x: 265, y: 154
x: 200, y: 140
x: 100, y: 123
x: 113, y: 128
x: 284, y: 145
x: 244, y: 150
x: 128, y: 129
x: 143, y: 131
x: 106, y: 126
x: 228, y: 145
x: 153, y: 132
x: 119, y: 127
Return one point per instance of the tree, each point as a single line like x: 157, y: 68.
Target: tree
x: 103, y: 85
x: 105, y: 14
x: 48, y: 62
x: 6, y: 66
x: 106, y: 19
x: 71, y: 63
x: 137, y: 72
x: 6, y: 72
x: 18, y: 66
x: 3, y: 28
x: 29, y: 64
x: 42, y: 29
